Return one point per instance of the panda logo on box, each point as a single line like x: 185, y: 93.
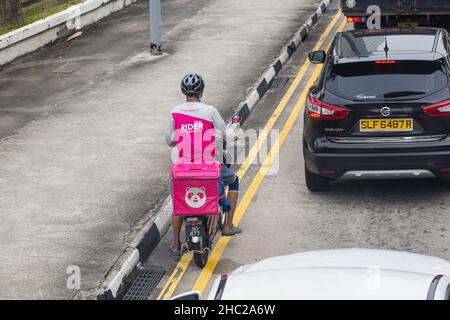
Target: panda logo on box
x: 195, y: 197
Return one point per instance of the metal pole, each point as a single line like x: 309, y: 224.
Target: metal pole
x: 155, y: 26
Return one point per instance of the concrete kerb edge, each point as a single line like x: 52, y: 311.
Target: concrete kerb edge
x: 153, y: 231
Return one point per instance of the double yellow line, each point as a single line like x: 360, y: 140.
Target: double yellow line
x: 219, y: 248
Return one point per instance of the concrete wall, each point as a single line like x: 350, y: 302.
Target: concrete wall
x: 40, y: 33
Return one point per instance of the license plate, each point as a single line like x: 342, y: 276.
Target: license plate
x: 195, y: 230
x: 373, y: 125
x: 408, y: 24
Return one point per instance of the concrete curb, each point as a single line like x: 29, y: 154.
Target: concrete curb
x: 128, y: 266
x: 55, y: 27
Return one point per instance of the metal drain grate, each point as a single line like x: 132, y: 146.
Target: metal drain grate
x: 280, y: 83
x: 143, y: 285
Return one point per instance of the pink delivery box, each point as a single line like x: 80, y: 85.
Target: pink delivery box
x: 195, y: 188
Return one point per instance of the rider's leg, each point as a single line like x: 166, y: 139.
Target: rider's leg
x: 233, y: 198
x: 229, y: 178
x: 233, y: 195
x: 177, y: 224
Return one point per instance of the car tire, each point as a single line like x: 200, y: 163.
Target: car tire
x: 315, y: 182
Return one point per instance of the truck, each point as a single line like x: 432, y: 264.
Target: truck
x: 399, y: 13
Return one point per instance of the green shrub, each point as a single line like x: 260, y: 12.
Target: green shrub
x: 32, y: 11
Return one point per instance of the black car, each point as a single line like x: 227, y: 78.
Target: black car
x: 380, y: 108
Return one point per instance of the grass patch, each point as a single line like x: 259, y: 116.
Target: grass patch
x: 33, y: 12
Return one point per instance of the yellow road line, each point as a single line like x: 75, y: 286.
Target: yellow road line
x: 177, y: 275
x: 284, y: 101
x: 219, y: 249
x: 184, y: 262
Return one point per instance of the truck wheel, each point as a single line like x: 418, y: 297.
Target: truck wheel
x: 315, y: 182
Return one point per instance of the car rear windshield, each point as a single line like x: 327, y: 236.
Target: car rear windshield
x: 389, y: 80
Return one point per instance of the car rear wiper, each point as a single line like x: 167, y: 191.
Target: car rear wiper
x: 397, y: 94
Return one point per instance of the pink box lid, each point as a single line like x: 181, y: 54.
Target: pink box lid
x: 196, y: 170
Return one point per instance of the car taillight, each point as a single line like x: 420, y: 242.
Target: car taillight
x: 385, y: 62
x: 356, y: 19
x: 324, y: 111
x: 441, y: 109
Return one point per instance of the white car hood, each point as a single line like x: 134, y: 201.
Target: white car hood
x: 336, y: 274
x: 354, y: 258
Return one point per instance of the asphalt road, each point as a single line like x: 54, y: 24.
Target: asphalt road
x: 280, y: 216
